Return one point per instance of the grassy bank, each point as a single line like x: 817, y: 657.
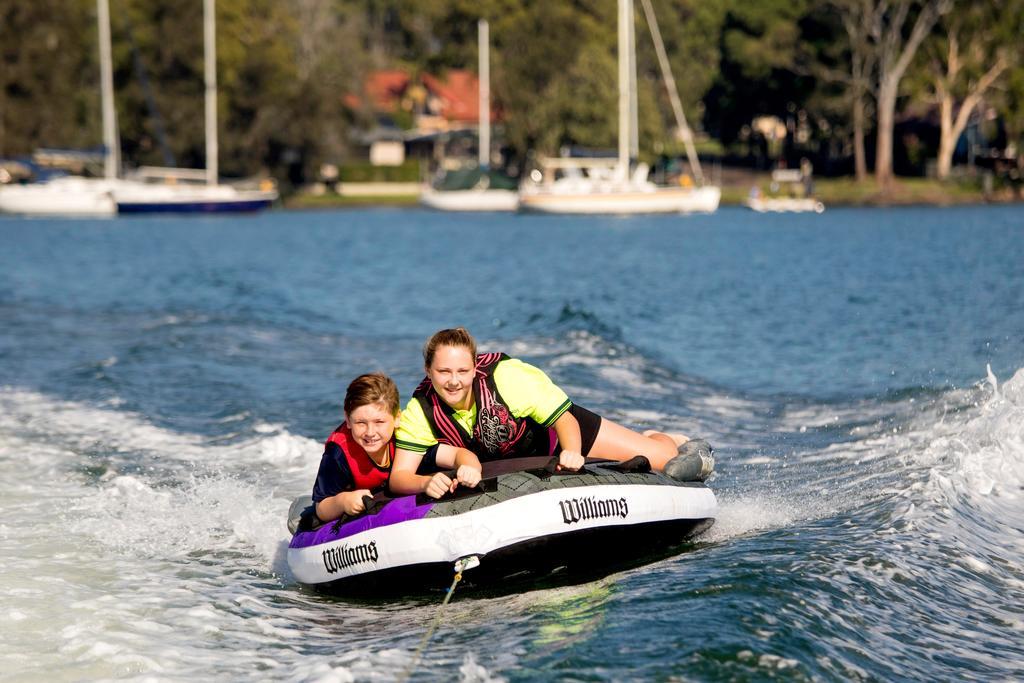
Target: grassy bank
x: 847, y: 191
x: 336, y: 201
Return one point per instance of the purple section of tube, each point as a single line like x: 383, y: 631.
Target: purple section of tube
x: 399, y: 510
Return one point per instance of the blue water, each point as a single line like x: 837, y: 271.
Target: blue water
x: 166, y: 384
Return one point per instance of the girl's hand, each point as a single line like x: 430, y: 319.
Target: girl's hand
x: 352, y: 501
x: 439, y: 485
x: 570, y: 460
x: 468, y: 476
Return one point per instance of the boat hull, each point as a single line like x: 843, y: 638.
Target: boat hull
x: 470, y: 200
x: 60, y: 197
x: 660, y: 200
x: 154, y: 198
x: 196, y: 206
x: 785, y: 205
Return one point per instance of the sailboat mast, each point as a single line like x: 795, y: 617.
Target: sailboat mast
x: 210, y: 73
x: 111, y: 146
x: 483, y: 48
x: 625, y: 9
x: 634, y: 124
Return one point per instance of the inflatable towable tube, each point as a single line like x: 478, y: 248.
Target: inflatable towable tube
x: 524, y: 522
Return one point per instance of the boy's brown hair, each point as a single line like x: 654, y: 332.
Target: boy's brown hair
x: 374, y: 387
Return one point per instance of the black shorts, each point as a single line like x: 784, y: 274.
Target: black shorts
x: 590, y: 425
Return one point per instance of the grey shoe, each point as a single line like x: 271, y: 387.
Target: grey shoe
x: 695, y: 462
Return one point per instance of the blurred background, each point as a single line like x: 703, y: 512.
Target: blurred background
x: 313, y: 93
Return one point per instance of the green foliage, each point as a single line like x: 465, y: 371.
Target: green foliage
x: 762, y: 36
x: 760, y: 70
x: 49, y: 75
x: 284, y: 67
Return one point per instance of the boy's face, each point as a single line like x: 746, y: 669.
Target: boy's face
x: 372, y: 426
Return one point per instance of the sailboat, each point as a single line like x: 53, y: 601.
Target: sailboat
x: 76, y: 195
x: 179, y: 193
x: 479, y: 188
x: 615, y: 186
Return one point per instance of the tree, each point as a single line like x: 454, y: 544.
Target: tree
x: 857, y: 17
x: 974, y: 46
x: 281, y: 66
x: 896, y: 30
x: 49, y: 75
x: 758, y: 73
x: 540, y: 77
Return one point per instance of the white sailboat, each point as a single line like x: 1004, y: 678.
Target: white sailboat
x: 481, y: 195
x: 75, y: 195
x: 182, y: 196
x: 610, y: 186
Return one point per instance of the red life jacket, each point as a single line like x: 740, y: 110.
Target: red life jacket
x: 365, y: 472
x: 497, y: 433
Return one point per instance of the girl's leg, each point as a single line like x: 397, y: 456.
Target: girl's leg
x: 616, y: 442
x: 676, y: 438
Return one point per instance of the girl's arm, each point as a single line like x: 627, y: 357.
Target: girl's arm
x: 405, y: 480
x: 569, y: 438
x: 465, y: 463
x: 467, y: 468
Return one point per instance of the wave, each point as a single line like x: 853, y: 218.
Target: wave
x: 975, y: 462
x: 151, y: 492
x: 947, y: 464
x: 573, y: 317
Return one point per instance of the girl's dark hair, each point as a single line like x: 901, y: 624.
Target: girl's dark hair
x: 458, y: 336
x: 371, y: 388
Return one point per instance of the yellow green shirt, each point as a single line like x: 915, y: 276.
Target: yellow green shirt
x: 525, y: 389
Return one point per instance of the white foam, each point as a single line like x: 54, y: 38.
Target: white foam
x: 133, y: 516
x: 157, y: 493
x: 471, y: 672
x: 756, y: 512
x: 83, y: 429
x: 984, y: 456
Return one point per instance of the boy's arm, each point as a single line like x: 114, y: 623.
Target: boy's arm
x: 344, y: 503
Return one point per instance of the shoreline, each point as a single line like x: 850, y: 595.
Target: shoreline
x: 414, y: 204
x: 832, y: 192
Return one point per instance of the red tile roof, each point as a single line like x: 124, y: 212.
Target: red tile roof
x: 458, y: 93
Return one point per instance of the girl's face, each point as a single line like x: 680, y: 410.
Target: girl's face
x: 451, y: 373
x: 372, y: 426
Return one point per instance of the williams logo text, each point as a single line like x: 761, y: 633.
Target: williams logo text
x: 581, y: 509
x: 343, y: 557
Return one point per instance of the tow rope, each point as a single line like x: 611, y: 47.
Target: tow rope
x: 461, y: 565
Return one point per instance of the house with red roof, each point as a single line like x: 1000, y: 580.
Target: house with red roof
x: 436, y: 105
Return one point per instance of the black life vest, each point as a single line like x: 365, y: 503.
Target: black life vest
x: 497, y: 433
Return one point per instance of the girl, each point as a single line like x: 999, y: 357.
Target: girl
x: 496, y: 406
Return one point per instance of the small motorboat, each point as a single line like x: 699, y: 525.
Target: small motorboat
x: 785, y: 205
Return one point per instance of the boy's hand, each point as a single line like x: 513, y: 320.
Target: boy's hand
x: 352, y: 501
